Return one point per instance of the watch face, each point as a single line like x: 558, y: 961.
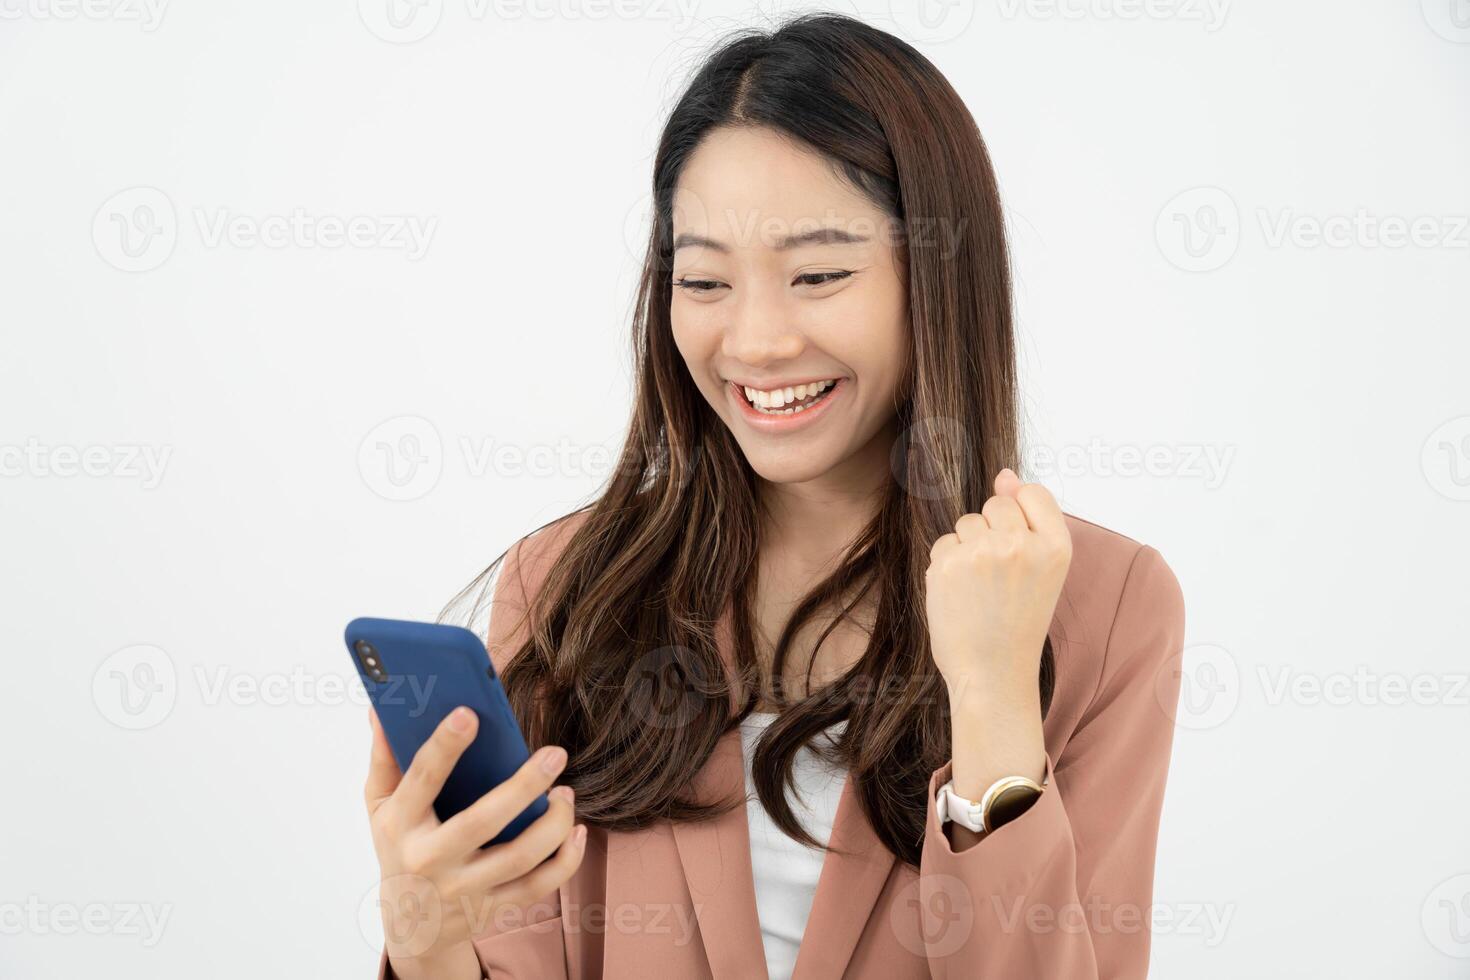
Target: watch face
x: 1009, y: 804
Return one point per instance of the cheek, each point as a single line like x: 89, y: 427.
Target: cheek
x: 687, y: 337
x: 870, y: 335
x: 698, y: 342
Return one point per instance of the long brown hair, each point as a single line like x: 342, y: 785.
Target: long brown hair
x: 621, y: 665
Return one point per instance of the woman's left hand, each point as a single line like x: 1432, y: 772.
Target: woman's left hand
x: 992, y: 589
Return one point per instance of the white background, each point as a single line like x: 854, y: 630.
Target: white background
x: 1324, y: 545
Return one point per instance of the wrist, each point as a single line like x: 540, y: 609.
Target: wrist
x: 995, y: 734
x: 1009, y: 695
x: 458, y: 963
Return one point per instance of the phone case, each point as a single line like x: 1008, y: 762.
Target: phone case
x: 431, y: 670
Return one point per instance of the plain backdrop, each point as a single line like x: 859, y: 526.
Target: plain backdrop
x: 309, y: 310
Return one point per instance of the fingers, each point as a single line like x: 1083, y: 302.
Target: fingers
x: 509, y: 861
x: 383, y: 772
x: 487, y: 816
x: 435, y: 760
x: 1043, y: 513
x: 1015, y: 506
x: 1003, y: 513
x: 548, y: 876
x: 971, y: 526
x: 942, y: 544
x: 1007, y: 482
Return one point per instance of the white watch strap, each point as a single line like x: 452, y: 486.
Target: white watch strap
x: 953, y: 807
x: 968, y: 813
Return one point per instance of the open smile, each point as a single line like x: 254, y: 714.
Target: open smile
x: 783, y: 409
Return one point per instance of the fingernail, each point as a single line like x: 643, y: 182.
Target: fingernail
x: 551, y: 759
x: 460, y: 719
x: 562, y: 793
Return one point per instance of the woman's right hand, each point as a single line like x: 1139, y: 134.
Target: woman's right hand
x: 438, y: 888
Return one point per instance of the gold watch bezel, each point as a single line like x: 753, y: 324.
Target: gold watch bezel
x: 1007, y: 799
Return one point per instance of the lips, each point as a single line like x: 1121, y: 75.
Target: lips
x: 780, y: 422
x: 788, y: 400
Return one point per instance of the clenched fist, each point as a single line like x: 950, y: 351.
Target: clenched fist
x: 992, y: 588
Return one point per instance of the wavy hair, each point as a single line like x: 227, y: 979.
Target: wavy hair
x: 621, y: 664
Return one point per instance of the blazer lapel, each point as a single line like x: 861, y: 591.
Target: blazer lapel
x: 715, y: 855
x: 853, y: 873
x: 716, y: 859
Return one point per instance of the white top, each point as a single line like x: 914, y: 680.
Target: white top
x: 785, y: 871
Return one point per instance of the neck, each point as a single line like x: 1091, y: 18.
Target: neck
x: 817, y: 519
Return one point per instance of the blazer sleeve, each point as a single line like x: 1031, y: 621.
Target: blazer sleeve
x: 537, y: 948
x: 1065, y: 889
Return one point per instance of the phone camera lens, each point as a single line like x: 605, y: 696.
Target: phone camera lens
x: 368, y: 654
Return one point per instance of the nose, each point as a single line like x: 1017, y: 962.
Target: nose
x: 761, y: 331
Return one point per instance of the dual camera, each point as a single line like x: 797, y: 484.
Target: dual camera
x: 372, y: 664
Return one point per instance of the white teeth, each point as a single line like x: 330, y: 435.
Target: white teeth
x: 770, y: 402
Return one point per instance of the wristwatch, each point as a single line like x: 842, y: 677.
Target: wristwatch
x: 1005, y: 800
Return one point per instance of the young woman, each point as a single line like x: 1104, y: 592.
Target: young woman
x: 827, y: 690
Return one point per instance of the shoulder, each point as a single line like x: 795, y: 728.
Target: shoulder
x: 1101, y: 551
x: 1119, y: 620
x: 1109, y: 567
x: 522, y: 572
x: 530, y: 558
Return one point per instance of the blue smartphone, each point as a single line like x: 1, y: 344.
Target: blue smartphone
x: 415, y: 675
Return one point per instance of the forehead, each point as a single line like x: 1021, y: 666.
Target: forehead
x: 752, y: 188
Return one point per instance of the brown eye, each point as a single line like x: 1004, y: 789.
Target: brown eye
x: 696, y: 285
x: 821, y: 278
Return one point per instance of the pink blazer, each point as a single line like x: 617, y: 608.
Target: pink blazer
x: 1063, y: 892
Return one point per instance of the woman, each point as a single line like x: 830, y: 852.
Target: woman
x: 829, y: 690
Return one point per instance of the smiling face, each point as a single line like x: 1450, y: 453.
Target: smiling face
x: 789, y: 292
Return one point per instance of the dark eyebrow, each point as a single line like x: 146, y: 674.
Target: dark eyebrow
x: 816, y: 236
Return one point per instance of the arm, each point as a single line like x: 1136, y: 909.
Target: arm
x: 1064, y: 890
x: 543, y: 955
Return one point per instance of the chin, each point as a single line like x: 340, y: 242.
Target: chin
x: 796, y: 466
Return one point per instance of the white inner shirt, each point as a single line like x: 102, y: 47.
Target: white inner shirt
x: 786, y: 871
